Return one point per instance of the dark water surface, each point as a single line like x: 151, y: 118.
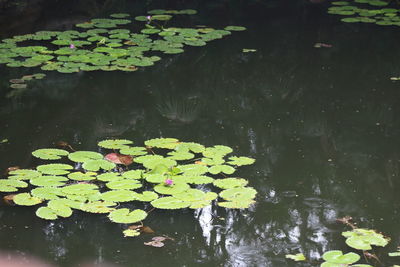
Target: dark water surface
x: 322, y: 124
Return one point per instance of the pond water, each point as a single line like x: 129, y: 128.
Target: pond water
x: 321, y: 124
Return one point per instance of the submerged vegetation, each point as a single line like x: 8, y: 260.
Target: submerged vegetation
x: 367, y: 11
x: 166, y: 173
x: 108, y: 44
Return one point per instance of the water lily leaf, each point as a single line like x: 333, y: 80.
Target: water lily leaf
x: 230, y: 183
x: 336, y: 256
x: 221, y: 168
x: 120, y: 15
x: 80, y: 189
x: 83, y: 156
x: 152, y: 161
x: 180, y: 155
x: 237, y: 204
x: 141, y: 18
x: 118, y: 196
x: 157, y: 12
x: 49, y: 153
x: 362, y: 239
x: 394, y: 254
x: 119, y: 158
x: 238, y: 193
x: 54, y: 169
x: 155, y: 178
x: 80, y: 176
x: 217, y: 151
x: 23, y: 174
x: 98, y: 207
x: 131, y: 233
x: 134, y: 151
x: 46, y: 193
x: 190, y: 146
x: 60, y: 208
x: 171, y: 189
x: 109, y: 176
x: 213, y: 161
x: 25, y: 199
x: 240, y: 161
x: 18, y: 86
x: 161, y: 17
x: 126, y: 216
x: 49, y: 181
x: 126, y: 184
x: 96, y: 165
x: 168, y: 143
x: 146, y: 196
x: 193, y: 169
x: 46, y: 213
x: 150, y: 31
x: 115, y: 143
x: 169, y: 203
x: 296, y: 257
x: 193, y: 179
x: 7, y: 185
x: 133, y: 174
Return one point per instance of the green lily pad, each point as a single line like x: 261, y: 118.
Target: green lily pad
x: 133, y: 174
x: 363, y: 239
x: 80, y: 189
x: 240, y: 161
x: 115, y: 143
x: 235, y: 28
x: 23, y: 174
x: 83, y: 156
x: 98, y: 207
x: 238, y: 193
x: 130, y: 233
x: 46, y: 213
x: 171, y: 189
x: 146, y: 196
x: 126, y: 216
x: 46, y: 193
x: 168, y: 143
x: 49, y: 153
x: 180, y: 155
x: 11, y: 185
x: 49, y: 181
x: 193, y: 179
x: 118, y: 196
x: 133, y: 151
x: 217, y: 151
x: 170, y: 203
x: 190, y: 146
x: 80, y: 176
x: 193, y: 169
x: 230, y: 183
x: 126, y: 184
x: 237, y: 204
x: 120, y: 15
x: 96, y: 165
x: 60, y: 208
x: 54, y: 169
x: 337, y: 257
x: 221, y: 168
x: 25, y: 199
x: 109, y: 176
x: 296, y: 257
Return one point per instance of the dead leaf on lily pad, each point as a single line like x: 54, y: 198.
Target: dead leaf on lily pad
x: 119, y: 158
x: 142, y: 228
x: 155, y: 244
x: 9, y: 199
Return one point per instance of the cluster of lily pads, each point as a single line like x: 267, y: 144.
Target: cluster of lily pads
x: 166, y: 173
x: 359, y: 239
x: 367, y: 11
x: 20, y: 85
x: 107, y: 44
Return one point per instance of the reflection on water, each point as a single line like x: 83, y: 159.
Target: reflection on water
x: 321, y: 123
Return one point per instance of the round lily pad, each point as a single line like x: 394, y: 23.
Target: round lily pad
x: 25, y: 199
x: 83, y: 156
x: 115, y: 143
x: 230, y: 183
x: 126, y: 216
x: 54, y: 169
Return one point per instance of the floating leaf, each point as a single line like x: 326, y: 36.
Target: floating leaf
x: 119, y: 15
x: 96, y: 165
x: 54, y: 169
x: 46, y: 193
x: 46, y: 213
x: 362, y: 239
x: 230, y: 183
x: 337, y: 257
x: 192, y: 179
x: 98, y: 207
x: 240, y: 161
x: 80, y: 176
x: 168, y: 143
x: 49, y: 153
x: 177, y: 155
x: 221, y: 168
x: 238, y: 193
x: 25, y: 199
x: 80, y: 189
x: 190, y: 146
x: 119, y: 159
x: 171, y: 189
x: 170, y: 203
x: 237, y: 204
x: 60, y: 208
x: 134, y: 151
x: 7, y: 185
x: 146, y: 196
x: 115, y: 143
x: 23, y: 174
x: 235, y: 28
x: 133, y: 174
x: 118, y: 196
x: 217, y: 151
x: 296, y: 257
x: 193, y: 169
x: 109, y: 176
x: 49, y: 181
x: 126, y: 216
x: 131, y: 233
x: 126, y: 184
x: 83, y: 156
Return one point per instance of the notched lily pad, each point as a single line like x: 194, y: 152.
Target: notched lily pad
x: 126, y: 216
x: 50, y: 153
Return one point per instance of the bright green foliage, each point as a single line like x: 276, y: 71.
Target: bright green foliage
x: 363, y: 239
x: 335, y: 258
x: 169, y: 143
x: 49, y: 181
x: 115, y: 143
x: 394, y: 254
x: 230, y: 183
x: 161, y: 168
x: 131, y: 233
x: 240, y: 161
x: 54, y: 169
x: 22, y: 174
x: 80, y: 176
x: 50, y: 153
x: 127, y: 216
x: 25, y: 199
x: 83, y: 156
x: 296, y: 257
x: 96, y: 165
